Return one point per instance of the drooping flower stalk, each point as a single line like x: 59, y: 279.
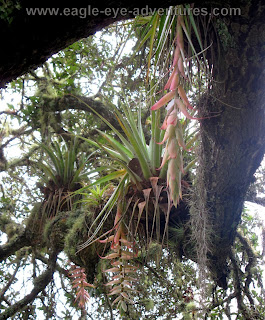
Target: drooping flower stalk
x: 177, y: 101
x: 123, y: 250
x: 79, y: 282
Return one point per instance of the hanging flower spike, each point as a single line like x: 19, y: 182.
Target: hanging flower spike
x: 164, y: 100
x: 177, y: 102
x: 118, y: 225
x: 123, y: 250
x: 176, y: 57
x: 183, y: 109
x: 79, y: 282
x: 184, y: 98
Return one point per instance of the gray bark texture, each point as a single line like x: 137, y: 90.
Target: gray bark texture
x: 233, y: 141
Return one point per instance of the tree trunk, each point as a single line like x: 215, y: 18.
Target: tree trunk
x: 233, y: 141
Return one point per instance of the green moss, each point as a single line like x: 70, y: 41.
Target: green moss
x: 11, y: 230
x: 55, y: 230
x: 35, y: 222
x: 8, y: 226
x: 77, y: 235
x: 226, y: 38
x: 4, y: 220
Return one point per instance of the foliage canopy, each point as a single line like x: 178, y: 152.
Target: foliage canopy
x: 97, y: 198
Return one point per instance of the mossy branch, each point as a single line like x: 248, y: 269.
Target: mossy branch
x: 40, y: 284
x: 16, y: 243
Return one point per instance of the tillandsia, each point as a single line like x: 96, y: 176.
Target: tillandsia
x: 79, y: 282
x: 123, y: 250
x: 142, y: 182
x: 177, y: 101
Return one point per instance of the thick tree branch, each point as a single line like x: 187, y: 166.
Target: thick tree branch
x: 40, y: 283
x: 83, y: 103
x: 18, y: 242
x: 28, y: 44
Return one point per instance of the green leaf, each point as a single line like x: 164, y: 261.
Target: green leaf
x: 126, y: 154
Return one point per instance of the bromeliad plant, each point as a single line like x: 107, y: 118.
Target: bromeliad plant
x: 138, y: 166
x: 123, y: 250
x: 145, y: 183
x: 142, y: 183
x: 63, y: 174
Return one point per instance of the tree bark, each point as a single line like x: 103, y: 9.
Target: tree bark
x: 14, y: 245
x: 233, y: 142
x: 29, y: 40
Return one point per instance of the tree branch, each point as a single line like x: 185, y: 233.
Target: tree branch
x: 17, y: 133
x: 40, y: 284
x: 57, y: 266
x: 3, y: 291
x: 239, y: 287
x: 21, y: 161
x: 22, y: 240
x: 83, y: 103
x: 251, y: 262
